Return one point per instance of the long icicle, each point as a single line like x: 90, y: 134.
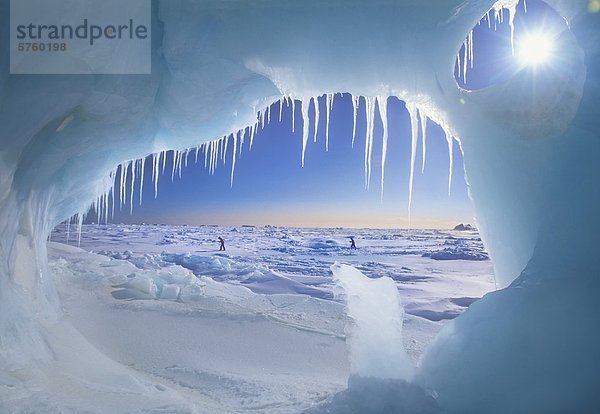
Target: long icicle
x: 424, y: 119
x: 174, y: 166
x: 79, y: 228
x: 233, y: 159
x: 382, y: 104
x: 305, y: 126
x: 142, y: 178
x: 450, y: 141
x: 182, y: 158
x: 370, y: 110
x: 155, y: 160
x: 316, y: 106
x: 133, y: 167
x: 251, y: 137
x: 242, y: 140
x: 414, y: 128
x: 328, y: 104
x: 355, y: 103
x: 281, y: 107
x: 122, y: 179
x: 68, y: 229
x: 293, y: 114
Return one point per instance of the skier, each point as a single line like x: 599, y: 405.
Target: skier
x: 352, y: 243
x: 221, y: 244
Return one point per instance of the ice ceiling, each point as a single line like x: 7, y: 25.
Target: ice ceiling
x: 530, y: 145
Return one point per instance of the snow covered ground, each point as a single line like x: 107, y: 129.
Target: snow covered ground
x: 256, y: 327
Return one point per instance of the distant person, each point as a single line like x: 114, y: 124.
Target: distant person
x: 352, y: 243
x: 221, y: 244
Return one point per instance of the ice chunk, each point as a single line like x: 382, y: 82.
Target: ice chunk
x: 143, y: 284
x: 170, y: 292
x: 375, y: 334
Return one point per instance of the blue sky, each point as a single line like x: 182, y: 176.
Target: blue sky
x: 271, y: 187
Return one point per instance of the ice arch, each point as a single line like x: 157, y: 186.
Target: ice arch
x: 531, y: 161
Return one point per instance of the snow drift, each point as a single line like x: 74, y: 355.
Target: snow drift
x: 530, y: 145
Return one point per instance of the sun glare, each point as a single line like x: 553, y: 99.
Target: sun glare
x: 535, y: 49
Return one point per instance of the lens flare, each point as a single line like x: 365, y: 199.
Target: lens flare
x: 535, y: 49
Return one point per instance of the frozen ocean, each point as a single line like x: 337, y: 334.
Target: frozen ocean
x: 259, y: 326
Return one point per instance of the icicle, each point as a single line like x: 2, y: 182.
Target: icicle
x: 142, y: 178
x: 251, y: 136
x: 182, y: 157
x: 293, y: 114
x: 414, y: 128
x: 213, y: 156
x: 382, y: 104
x: 196, y: 158
x: 224, y: 151
x: 450, y: 141
x: 512, y: 10
x: 118, y: 175
x: 103, y: 206
x: 133, y: 167
x: 164, y: 160
x: 355, y: 103
x: 215, y: 153
x: 424, y: 120
x: 465, y: 59
x: 328, y: 106
x: 209, y: 151
x: 79, y: 228
x: 113, y: 198
x: 106, y: 201
x: 241, y: 132
x: 268, y: 114
x: 205, y: 150
x: 525, y: 6
x: 471, y: 50
x: 316, y: 106
x: 96, y: 207
x: 154, y: 175
x: 174, y: 166
x: 233, y: 159
x: 68, y: 229
x: 305, y: 126
x: 122, y: 190
x: 370, y: 113
x: 281, y: 107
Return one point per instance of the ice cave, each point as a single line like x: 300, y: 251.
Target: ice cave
x: 530, y: 145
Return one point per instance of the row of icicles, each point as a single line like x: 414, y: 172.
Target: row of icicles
x: 213, y: 151
x: 128, y: 177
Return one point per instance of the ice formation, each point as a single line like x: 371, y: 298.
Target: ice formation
x: 375, y: 335
x: 530, y: 159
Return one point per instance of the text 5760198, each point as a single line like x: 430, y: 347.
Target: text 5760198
x: 41, y: 47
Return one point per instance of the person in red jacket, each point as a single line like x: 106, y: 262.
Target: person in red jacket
x: 221, y: 244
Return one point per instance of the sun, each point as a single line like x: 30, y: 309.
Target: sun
x: 535, y: 49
